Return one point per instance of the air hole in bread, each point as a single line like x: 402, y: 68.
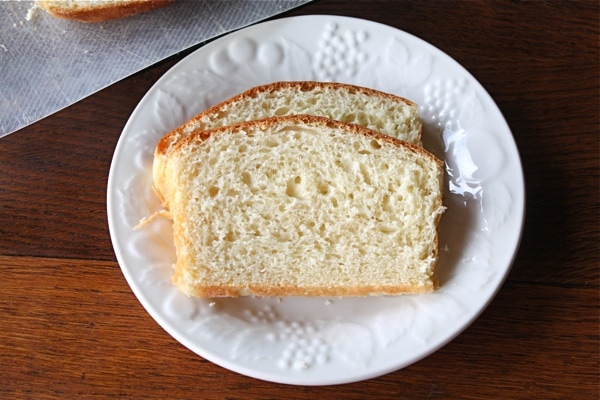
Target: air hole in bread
x: 359, y: 148
x: 385, y: 202
x: 350, y: 118
x: 386, y: 229
x: 364, y: 170
x: 375, y: 144
x: 213, y: 191
x: 361, y: 119
x: 230, y: 237
x: 323, y: 188
x: 246, y: 179
x: 272, y: 143
x: 293, y: 188
x: 321, y: 229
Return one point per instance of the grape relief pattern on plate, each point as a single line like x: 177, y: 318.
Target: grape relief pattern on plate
x: 452, y: 113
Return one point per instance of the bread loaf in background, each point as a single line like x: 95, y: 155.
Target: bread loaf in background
x: 98, y: 10
x: 302, y: 206
x: 383, y: 112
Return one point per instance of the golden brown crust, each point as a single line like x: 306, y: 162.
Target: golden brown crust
x: 101, y: 13
x: 168, y: 140
x: 316, y: 291
x: 309, y: 120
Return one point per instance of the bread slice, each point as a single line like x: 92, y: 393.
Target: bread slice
x: 383, y: 112
x: 98, y: 10
x: 303, y: 206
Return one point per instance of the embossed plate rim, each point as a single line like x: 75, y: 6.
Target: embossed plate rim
x: 328, y: 341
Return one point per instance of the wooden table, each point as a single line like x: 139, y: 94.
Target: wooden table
x: 71, y: 327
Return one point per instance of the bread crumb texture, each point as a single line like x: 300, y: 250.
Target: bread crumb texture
x: 303, y: 206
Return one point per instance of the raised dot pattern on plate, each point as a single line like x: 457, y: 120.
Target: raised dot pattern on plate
x: 339, y: 53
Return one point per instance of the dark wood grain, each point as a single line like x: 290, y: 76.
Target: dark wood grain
x: 81, y: 328
x: 72, y: 328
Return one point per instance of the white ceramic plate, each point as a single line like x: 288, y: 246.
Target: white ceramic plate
x: 319, y: 341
